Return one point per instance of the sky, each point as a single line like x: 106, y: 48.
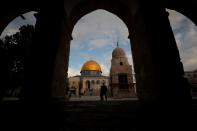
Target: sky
x: 13, y: 26
x: 96, y: 34
x: 185, y: 33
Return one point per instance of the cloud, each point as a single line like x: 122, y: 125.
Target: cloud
x: 189, y: 59
x: 176, y: 19
x: 15, y: 24
x: 11, y: 28
x: 73, y: 72
x: 11, y: 31
x: 30, y: 18
x: 85, y: 56
x: 95, y: 36
x: 185, y: 33
x: 75, y: 44
x: 98, y: 29
x: 105, y: 70
x: 99, y: 43
x: 99, y: 21
x: 130, y: 58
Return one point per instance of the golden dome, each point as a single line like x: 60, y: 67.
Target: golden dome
x: 91, y: 66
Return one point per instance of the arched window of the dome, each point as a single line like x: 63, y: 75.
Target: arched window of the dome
x: 98, y: 82
x: 87, y: 84
x: 92, y: 82
x: 87, y: 81
x: 103, y: 81
x: 87, y: 73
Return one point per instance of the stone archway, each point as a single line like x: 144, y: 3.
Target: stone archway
x: 5, y: 20
x: 155, y: 56
x: 44, y: 54
x: 118, y: 9
x: 148, y: 25
x: 87, y: 84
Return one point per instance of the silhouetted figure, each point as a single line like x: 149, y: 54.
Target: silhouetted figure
x: 103, y: 92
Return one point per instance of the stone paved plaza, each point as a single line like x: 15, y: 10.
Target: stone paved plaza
x: 97, y: 98
x: 91, y: 114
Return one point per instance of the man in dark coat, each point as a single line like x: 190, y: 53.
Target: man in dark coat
x: 103, y: 92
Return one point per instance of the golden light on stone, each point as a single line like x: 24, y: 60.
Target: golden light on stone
x: 91, y: 66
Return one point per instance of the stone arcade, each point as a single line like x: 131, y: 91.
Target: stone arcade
x: 149, y: 30
x: 154, y: 51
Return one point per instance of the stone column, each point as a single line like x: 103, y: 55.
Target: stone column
x: 62, y: 62
x: 158, y: 68
x: 84, y: 85
x: 42, y: 54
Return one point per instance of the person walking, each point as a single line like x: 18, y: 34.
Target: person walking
x: 103, y: 92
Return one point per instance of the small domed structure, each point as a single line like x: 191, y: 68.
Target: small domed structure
x: 118, y: 52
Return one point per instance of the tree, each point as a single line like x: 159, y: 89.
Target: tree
x: 14, y: 49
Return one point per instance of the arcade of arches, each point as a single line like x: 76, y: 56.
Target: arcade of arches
x: 154, y: 49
